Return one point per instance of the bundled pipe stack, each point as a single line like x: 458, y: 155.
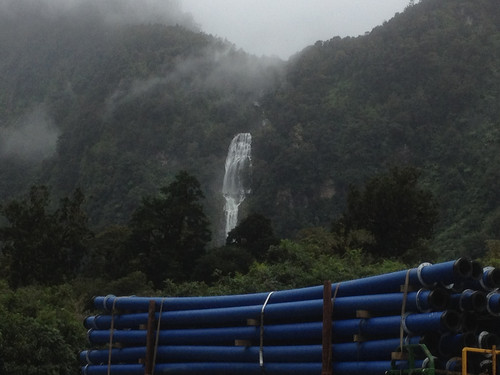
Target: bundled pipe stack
x: 446, y: 306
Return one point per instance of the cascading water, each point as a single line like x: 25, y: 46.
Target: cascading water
x: 237, y: 177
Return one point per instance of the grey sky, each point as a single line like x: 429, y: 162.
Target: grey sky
x: 283, y: 27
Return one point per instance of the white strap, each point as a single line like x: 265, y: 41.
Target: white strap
x: 261, y: 350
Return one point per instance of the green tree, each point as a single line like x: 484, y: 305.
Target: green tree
x: 221, y: 262
x: 296, y: 265
x: 40, y: 330
x: 170, y: 231
x: 254, y: 233
x: 40, y: 245
x: 398, y: 213
x: 109, y: 255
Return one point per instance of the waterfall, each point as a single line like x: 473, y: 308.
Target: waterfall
x: 237, y: 177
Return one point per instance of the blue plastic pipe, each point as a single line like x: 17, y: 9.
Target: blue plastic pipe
x: 493, y: 303
x: 413, y: 324
x: 310, y: 332
x: 424, y: 276
x: 488, y: 281
x: 362, y: 351
x: 345, y: 307
x: 208, y: 368
x: 451, y: 345
x: 198, y: 353
x: 468, y: 300
x: 222, y: 368
x: 453, y: 364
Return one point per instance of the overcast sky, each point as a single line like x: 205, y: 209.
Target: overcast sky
x: 283, y: 27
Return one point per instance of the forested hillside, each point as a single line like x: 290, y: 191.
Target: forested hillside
x: 118, y: 108
x: 422, y: 89
x: 369, y: 155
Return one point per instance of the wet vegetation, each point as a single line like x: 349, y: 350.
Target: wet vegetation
x: 370, y: 154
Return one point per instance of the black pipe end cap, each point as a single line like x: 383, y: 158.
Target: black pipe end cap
x: 462, y: 267
x: 493, y: 278
x: 450, y: 319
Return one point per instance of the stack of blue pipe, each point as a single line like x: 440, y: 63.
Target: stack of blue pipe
x: 446, y: 306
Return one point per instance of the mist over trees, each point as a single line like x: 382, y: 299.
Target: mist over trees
x: 140, y: 101
x: 112, y: 12
x: 369, y: 155
x: 116, y: 108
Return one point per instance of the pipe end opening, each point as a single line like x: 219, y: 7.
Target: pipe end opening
x: 479, y: 301
x: 468, y: 321
x: 487, y: 340
x: 462, y: 267
x: 493, y: 277
x: 451, y: 320
x: 439, y: 299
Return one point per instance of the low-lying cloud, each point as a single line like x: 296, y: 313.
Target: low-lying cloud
x: 223, y: 69
x: 167, y: 12
x: 31, y: 138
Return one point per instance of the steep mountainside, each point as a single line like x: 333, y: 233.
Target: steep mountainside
x: 422, y: 89
x: 117, y: 108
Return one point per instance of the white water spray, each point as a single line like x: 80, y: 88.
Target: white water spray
x: 237, y: 177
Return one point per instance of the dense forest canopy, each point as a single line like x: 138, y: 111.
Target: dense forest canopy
x: 118, y: 108
x: 420, y: 90
x: 369, y: 155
